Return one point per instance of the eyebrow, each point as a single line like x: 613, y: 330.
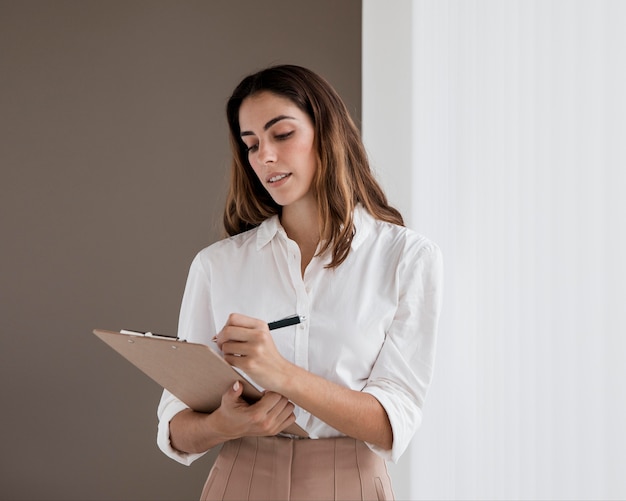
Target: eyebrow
x: 268, y: 124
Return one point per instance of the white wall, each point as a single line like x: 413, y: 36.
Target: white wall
x: 516, y: 111
x: 387, y: 126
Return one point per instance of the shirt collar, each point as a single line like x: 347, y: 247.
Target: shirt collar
x: 363, y: 225
x: 267, y: 230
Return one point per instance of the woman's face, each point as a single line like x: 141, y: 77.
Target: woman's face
x: 280, y: 141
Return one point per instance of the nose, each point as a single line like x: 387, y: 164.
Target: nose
x: 267, y: 153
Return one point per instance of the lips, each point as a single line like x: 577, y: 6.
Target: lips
x: 275, y: 178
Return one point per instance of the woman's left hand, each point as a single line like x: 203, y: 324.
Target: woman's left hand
x: 247, y: 344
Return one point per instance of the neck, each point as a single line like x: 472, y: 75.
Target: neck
x: 301, y: 223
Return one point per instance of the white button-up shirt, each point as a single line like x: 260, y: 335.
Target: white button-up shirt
x: 370, y: 323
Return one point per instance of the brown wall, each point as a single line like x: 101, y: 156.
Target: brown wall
x: 113, y: 162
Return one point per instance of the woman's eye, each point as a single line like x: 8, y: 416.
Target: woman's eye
x: 252, y: 148
x: 281, y: 137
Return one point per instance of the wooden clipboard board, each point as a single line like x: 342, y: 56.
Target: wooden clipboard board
x: 193, y: 372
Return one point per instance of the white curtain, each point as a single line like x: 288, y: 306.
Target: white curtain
x: 517, y: 167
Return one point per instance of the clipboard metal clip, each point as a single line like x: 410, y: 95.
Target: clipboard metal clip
x: 149, y: 334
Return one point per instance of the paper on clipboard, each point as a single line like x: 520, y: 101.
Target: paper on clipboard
x: 193, y: 372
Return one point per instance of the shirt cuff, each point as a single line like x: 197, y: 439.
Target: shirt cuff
x: 402, y: 431
x: 168, y: 408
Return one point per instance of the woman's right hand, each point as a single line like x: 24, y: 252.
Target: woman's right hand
x: 267, y: 417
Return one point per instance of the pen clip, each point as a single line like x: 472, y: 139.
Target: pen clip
x: 301, y: 317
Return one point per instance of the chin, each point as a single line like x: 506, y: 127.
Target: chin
x: 284, y: 200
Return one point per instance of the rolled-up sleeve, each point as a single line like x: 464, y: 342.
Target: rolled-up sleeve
x: 403, y: 370
x: 169, y: 406
x: 195, y: 325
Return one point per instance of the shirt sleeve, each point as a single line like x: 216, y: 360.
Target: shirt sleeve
x: 169, y: 406
x: 403, y: 370
x: 195, y: 325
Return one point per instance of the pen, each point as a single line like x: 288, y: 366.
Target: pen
x: 285, y: 322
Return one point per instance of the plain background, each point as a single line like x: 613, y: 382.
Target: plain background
x: 114, y: 161
x: 516, y: 170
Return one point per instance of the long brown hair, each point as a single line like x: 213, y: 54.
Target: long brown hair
x: 342, y: 179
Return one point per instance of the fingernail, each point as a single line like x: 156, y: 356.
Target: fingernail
x: 236, y: 386
x: 214, y: 339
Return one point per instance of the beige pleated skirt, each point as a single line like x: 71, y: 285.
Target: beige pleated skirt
x: 279, y: 468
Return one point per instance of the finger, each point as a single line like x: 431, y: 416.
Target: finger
x: 233, y: 393
x: 237, y: 389
x: 234, y: 348
x: 283, y: 412
x: 284, y: 420
x: 235, y: 352
x: 236, y: 334
x: 228, y: 335
x: 276, y: 399
x: 268, y: 401
x: 288, y: 421
x: 239, y: 320
x: 280, y: 416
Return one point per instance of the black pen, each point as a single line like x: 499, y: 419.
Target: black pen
x: 278, y: 324
x: 285, y: 322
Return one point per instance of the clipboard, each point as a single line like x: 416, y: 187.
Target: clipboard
x: 193, y: 372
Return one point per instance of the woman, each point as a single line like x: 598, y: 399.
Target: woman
x: 311, y: 234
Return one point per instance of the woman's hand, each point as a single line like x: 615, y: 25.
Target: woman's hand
x: 267, y: 417
x: 247, y: 344
x: 195, y: 432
